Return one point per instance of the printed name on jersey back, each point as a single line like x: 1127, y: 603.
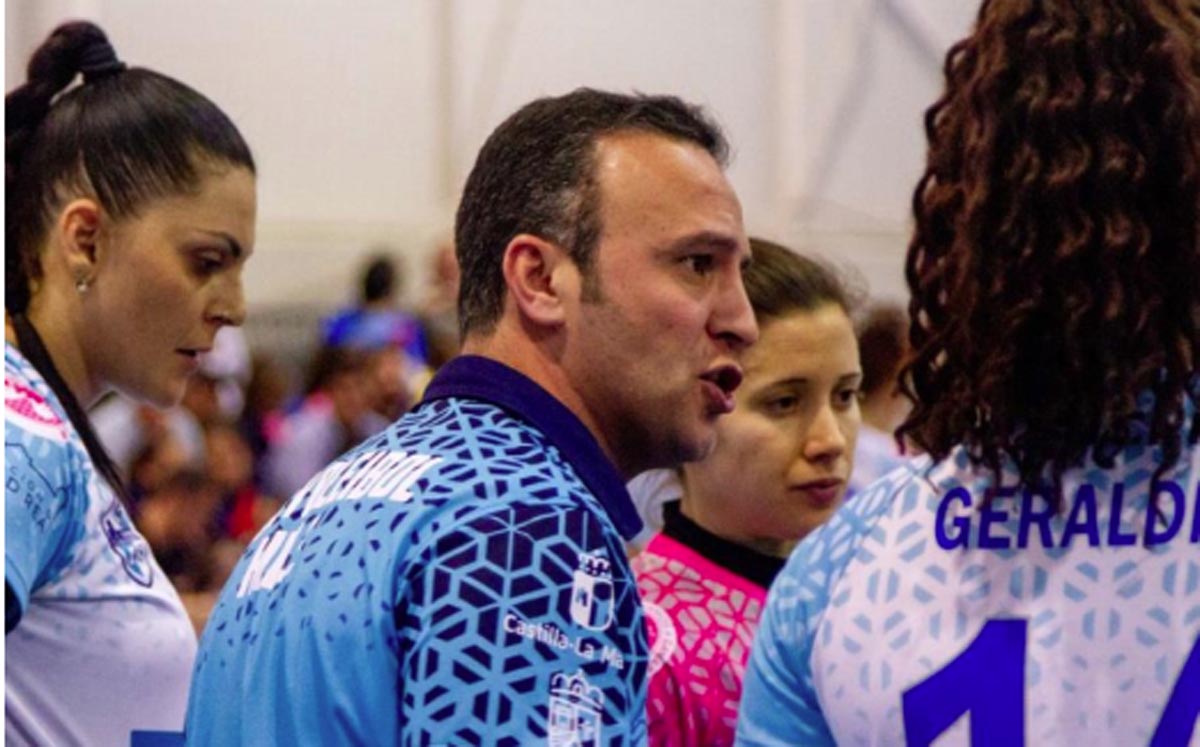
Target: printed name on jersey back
x: 1008, y: 518
x: 376, y: 473
x: 28, y: 410
x: 368, y: 475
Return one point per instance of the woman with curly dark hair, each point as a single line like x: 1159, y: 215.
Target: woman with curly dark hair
x: 1036, y: 572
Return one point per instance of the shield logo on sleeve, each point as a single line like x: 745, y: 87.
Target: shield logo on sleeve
x: 592, y: 595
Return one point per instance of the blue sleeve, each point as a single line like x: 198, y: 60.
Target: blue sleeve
x: 42, y: 513
x: 780, y: 701
x: 522, y: 622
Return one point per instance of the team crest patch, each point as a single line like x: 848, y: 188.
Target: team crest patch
x: 129, y: 546
x: 575, y: 711
x: 593, y: 602
x: 26, y: 408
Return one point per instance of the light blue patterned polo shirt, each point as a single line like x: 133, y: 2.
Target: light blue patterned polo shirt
x: 458, y: 579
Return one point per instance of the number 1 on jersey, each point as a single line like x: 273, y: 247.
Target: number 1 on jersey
x: 987, y: 680
x: 1179, y: 717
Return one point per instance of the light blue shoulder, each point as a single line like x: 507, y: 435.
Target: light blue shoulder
x: 812, y: 572
x: 780, y: 705
x: 45, y: 496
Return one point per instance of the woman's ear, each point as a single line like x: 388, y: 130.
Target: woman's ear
x: 76, y: 238
x: 541, y: 278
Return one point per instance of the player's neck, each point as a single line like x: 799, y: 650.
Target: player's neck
x: 63, y: 344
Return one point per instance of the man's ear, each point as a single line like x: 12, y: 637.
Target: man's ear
x: 540, y: 277
x: 76, y: 237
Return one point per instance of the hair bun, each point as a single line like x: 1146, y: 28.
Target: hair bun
x: 72, y: 48
x: 99, y: 60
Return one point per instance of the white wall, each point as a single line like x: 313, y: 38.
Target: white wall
x: 365, y: 114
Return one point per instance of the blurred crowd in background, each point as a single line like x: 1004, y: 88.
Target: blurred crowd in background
x: 256, y: 423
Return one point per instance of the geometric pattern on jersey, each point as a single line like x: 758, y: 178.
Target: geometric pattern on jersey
x: 700, y: 621
x: 102, y: 646
x: 911, y: 607
x: 452, y: 580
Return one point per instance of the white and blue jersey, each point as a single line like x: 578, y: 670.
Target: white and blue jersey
x: 459, y: 578
x: 101, y: 647
x: 924, y: 613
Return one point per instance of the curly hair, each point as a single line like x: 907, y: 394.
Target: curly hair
x: 1055, y: 264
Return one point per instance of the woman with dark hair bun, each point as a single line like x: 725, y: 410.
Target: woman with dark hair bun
x: 1034, y: 579
x: 129, y: 217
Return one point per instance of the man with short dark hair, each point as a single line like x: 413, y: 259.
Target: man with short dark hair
x: 461, y: 578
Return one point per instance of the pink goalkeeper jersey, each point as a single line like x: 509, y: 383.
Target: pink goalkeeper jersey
x: 700, y: 621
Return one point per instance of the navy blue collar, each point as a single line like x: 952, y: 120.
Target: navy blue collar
x: 476, y: 377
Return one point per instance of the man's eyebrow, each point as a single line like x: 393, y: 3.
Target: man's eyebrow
x: 706, y: 239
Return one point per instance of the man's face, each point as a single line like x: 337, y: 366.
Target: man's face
x: 653, y: 354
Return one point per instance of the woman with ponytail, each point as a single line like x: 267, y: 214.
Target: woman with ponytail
x: 129, y: 217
